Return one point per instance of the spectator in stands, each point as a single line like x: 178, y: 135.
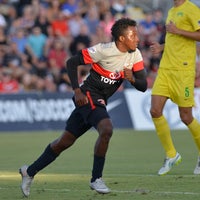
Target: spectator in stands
x: 92, y: 20
x: 57, y: 57
x: 99, y: 36
x: 60, y: 25
x: 70, y: 7
x: 103, y: 8
x: 2, y: 53
x: 75, y: 24
x: 20, y: 39
x: 4, y: 8
x: 27, y: 83
x: 53, y: 10
x: 106, y: 23
x: 20, y: 5
x: 27, y: 20
x: 36, y: 6
x: 159, y: 20
x: 12, y: 55
x: 40, y: 68
x: 118, y: 8
x: 25, y: 64
x: 39, y: 78
x: 42, y: 20
x: 50, y: 85
x: 154, y: 62
x: 10, y: 18
x: 36, y: 43
x: 81, y: 40
x: 148, y: 30
x: 85, y: 5
x: 3, y: 38
x: 3, y: 22
x: 7, y: 83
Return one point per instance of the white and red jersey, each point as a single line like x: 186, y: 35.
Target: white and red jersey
x: 107, y: 60
x: 107, y: 73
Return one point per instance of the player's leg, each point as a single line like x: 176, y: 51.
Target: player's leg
x: 163, y: 132
x: 161, y: 124
x: 105, y: 132
x: 75, y: 128
x: 51, y: 152
x: 185, y: 89
x: 194, y: 127
x: 101, y: 121
x: 164, y: 86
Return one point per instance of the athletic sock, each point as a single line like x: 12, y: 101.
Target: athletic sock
x: 163, y: 132
x: 194, y: 128
x: 45, y: 159
x: 98, y: 165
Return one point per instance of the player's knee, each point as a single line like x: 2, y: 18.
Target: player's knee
x: 106, y: 133
x: 105, y: 128
x: 186, y: 116
x: 186, y: 119
x: 62, y: 145
x: 64, y: 142
x: 155, y: 112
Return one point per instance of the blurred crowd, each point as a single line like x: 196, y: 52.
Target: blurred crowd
x: 38, y: 36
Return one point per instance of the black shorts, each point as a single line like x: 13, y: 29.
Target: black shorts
x: 84, y: 117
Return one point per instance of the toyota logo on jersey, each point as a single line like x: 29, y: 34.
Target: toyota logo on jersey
x: 115, y: 75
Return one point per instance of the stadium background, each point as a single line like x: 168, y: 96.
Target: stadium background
x: 33, y: 90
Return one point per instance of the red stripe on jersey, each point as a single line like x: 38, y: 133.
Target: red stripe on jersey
x: 90, y: 100
x: 106, y: 73
x: 86, y: 56
x: 138, y: 66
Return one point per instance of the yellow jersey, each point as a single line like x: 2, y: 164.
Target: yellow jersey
x: 180, y: 52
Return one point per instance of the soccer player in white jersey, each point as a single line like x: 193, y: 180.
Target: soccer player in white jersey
x: 111, y: 63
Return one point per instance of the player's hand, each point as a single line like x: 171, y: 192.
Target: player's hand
x: 156, y: 48
x: 80, y: 98
x: 171, y: 28
x: 128, y: 75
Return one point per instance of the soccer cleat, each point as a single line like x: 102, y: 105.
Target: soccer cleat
x: 26, y: 181
x: 99, y: 186
x: 169, y: 163
x: 197, y: 168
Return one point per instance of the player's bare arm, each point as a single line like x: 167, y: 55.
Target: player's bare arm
x: 171, y: 28
x: 156, y: 48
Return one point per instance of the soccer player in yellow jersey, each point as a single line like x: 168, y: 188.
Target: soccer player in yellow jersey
x: 175, y: 79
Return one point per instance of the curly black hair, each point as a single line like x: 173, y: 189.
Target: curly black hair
x: 120, y: 26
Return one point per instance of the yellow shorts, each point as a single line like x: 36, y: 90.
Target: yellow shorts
x: 176, y: 85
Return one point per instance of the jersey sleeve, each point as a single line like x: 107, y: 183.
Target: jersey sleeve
x: 92, y: 54
x: 138, y: 61
x: 195, y: 18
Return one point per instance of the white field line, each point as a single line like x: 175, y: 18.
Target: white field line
x: 115, y: 191
x: 121, y: 191
x: 131, y: 191
x: 106, y: 176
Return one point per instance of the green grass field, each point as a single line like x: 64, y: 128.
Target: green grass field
x: 133, y: 160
